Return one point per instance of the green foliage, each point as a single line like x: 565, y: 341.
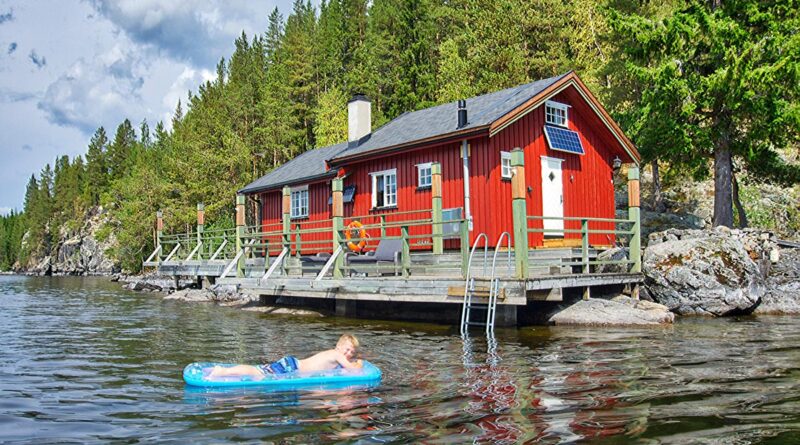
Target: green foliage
x: 683, y: 79
x: 12, y: 228
x: 103, y: 233
x: 331, y: 117
x: 711, y: 81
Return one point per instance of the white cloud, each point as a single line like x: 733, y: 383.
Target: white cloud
x: 189, y: 79
x: 198, y: 31
x: 99, y: 91
x: 106, y: 60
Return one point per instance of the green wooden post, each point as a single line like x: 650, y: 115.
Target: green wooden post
x: 464, y: 229
x: 633, y: 215
x: 436, y: 197
x: 519, y: 212
x: 406, y: 259
x: 159, y: 233
x: 298, y: 240
x: 287, y: 224
x: 201, y: 218
x: 240, y: 229
x: 337, y: 185
x: 585, y: 244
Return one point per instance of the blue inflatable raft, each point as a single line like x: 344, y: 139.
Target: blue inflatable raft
x: 196, y: 374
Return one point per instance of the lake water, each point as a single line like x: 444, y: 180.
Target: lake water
x: 83, y: 361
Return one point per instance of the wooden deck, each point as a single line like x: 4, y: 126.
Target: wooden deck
x: 433, y: 278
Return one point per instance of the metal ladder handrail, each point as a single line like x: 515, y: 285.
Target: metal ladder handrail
x: 494, y: 283
x: 469, y: 282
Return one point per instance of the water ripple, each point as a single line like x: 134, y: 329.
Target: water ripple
x: 83, y: 361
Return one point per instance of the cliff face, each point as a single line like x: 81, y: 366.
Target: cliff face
x: 83, y: 251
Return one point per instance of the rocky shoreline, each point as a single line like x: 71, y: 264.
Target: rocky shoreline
x: 220, y: 294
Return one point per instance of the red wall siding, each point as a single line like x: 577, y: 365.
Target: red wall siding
x: 588, y: 189
x: 409, y: 197
x: 318, y: 218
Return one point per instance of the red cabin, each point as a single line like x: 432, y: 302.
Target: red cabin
x: 571, y: 148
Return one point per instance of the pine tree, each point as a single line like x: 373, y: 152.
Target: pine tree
x: 96, y: 169
x: 717, y: 81
x: 330, y: 117
x: 121, y: 151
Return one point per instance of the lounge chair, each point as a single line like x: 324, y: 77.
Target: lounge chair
x: 388, y: 251
x: 313, y: 262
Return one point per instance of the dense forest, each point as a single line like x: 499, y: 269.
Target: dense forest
x: 704, y: 88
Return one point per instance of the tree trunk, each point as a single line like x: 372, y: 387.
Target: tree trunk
x: 723, y: 193
x: 738, y: 203
x: 658, y: 200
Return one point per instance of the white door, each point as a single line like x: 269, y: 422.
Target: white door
x: 552, y: 197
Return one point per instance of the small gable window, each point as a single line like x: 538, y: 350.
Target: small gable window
x: 556, y: 113
x: 424, y: 176
x: 505, y: 164
x: 300, y: 202
x: 384, y: 188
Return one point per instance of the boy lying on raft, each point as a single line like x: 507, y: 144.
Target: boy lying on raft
x: 341, y: 356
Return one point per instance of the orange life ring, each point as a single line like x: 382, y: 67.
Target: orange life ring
x: 353, y: 229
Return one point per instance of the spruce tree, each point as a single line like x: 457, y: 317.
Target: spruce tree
x: 96, y: 170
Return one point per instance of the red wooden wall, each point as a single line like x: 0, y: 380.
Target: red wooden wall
x: 587, y: 181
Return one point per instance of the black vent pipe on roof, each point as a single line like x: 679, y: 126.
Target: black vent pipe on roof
x: 462, y: 113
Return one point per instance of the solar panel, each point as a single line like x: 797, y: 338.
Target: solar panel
x: 347, y: 195
x: 562, y: 139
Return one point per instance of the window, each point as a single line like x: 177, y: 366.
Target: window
x: 384, y: 188
x: 555, y: 113
x: 300, y: 202
x: 505, y: 164
x: 424, y: 175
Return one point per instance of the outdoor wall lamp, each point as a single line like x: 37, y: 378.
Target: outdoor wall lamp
x: 616, y: 163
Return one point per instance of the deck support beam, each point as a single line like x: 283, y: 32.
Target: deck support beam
x: 159, y: 233
x: 201, y: 218
x: 287, y: 224
x: 436, y: 205
x: 240, y: 219
x: 346, y: 308
x: 506, y: 315
x: 634, y: 215
x: 337, y: 187
x: 520, y: 213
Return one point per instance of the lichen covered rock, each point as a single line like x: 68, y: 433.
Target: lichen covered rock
x: 619, y: 311
x: 783, y: 286
x: 708, y: 272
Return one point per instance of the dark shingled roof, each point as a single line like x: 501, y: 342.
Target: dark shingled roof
x: 308, y: 165
x: 406, y: 128
x: 442, y: 119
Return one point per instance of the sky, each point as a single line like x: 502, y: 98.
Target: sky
x: 68, y: 67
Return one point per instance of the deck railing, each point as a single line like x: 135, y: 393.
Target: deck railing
x: 619, y: 235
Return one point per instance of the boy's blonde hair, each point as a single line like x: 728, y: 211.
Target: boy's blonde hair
x: 348, y: 338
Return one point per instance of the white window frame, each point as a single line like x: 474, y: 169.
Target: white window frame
x: 505, y: 170
x: 553, y: 118
x: 299, y: 206
x: 389, y: 199
x: 429, y: 176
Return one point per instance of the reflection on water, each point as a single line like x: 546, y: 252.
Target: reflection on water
x: 82, y: 360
